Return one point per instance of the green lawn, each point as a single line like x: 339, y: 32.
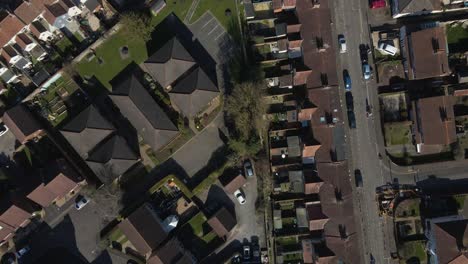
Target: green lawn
x: 397, y: 133
x: 460, y: 199
x: 112, y: 63
x: 218, y: 9
x: 197, y: 224
x: 64, y: 45
x: 284, y: 241
x: 183, y: 188
x: 109, y: 51
x: 209, y: 237
x: 413, y: 249
x: 455, y: 33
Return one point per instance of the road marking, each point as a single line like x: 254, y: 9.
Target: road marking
x: 207, y: 22
x: 222, y: 33
x: 209, y: 33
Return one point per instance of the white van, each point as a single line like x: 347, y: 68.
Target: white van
x: 387, y: 48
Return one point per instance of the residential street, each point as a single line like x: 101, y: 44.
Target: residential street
x: 351, y: 21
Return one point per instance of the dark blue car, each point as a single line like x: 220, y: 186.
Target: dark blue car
x: 347, y: 80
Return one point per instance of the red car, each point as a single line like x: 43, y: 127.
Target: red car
x: 378, y: 4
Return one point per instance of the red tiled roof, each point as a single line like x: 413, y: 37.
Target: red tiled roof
x: 312, y: 187
x: 435, y: 120
x: 327, y: 101
x: 296, y: 28
x: 450, y: 237
x: 9, y: 27
x: 27, y: 11
x: 37, y: 28
x: 429, y: 54
x: 317, y: 219
x: 15, y: 217
x: 309, y: 151
x: 23, y: 40
x: 294, y: 44
x: 222, y: 222
x: 235, y: 184
x: 300, y: 77
x: 53, y: 11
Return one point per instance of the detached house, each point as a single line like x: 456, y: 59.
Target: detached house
x: 22, y: 124
x: 142, y: 111
x: 190, y: 88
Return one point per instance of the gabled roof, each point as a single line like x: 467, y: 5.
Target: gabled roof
x: 137, y: 105
x: 450, y: 238
x: 37, y: 28
x: 428, y: 53
x: 21, y: 122
x: 144, y: 229
x: 169, y: 63
x: 222, y: 222
x: 193, y: 92
x: 27, y: 11
x: 111, y: 158
x: 10, y: 25
x: 86, y: 130
x: 413, y: 6
x: 231, y: 185
x: 171, y: 253
x: 53, y: 11
x: 23, y: 40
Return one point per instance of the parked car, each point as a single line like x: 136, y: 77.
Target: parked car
x: 239, y: 196
x: 3, y: 129
x: 347, y: 80
x: 246, y: 252
x: 351, y: 119
x: 23, y: 251
x: 248, y: 168
x: 364, y: 52
x: 387, y: 48
x: 366, y: 71
x: 256, y: 252
x: 358, y: 178
x: 342, y: 43
x: 81, y: 202
x: 349, y: 101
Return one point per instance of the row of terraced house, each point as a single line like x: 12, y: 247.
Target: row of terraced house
x: 28, y: 28
x: 313, y: 218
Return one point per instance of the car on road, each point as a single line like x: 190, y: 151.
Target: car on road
x: 366, y: 71
x: 349, y: 101
x: 239, y: 196
x: 81, y: 202
x: 358, y: 178
x: 342, y: 43
x: 347, y: 80
x: 246, y: 252
x: 248, y: 168
x: 23, y: 251
x: 351, y: 119
x: 3, y: 129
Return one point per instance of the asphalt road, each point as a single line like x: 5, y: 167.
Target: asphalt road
x: 376, y: 237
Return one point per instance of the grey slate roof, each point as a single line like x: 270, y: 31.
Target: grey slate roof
x: 112, y: 158
x: 86, y: 130
x: 193, y: 92
x: 169, y: 63
x: 137, y: 105
x: 412, y: 6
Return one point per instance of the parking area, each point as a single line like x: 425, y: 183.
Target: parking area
x: 194, y: 155
x: 213, y: 36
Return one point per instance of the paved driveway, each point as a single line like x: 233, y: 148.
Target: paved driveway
x: 213, y: 36
x: 195, y: 154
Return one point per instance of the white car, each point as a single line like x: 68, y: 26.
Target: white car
x: 81, y: 202
x: 239, y: 196
x: 342, y: 43
x: 387, y: 49
x: 3, y: 129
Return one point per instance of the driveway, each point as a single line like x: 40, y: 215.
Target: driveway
x: 213, y: 36
x: 196, y: 153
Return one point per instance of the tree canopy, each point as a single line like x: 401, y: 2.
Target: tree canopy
x: 136, y: 26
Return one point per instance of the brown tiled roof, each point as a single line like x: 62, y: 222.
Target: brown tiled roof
x: 144, y: 229
x: 462, y: 259
x: 27, y: 11
x: 53, y: 11
x: 309, y: 151
x: 344, y: 249
x: 336, y: 174
x: 306, y: 114
x: 295, y: 28
x: 5, y: 232
x: 15, y: 217
x: 222, y: 222
x: 327, y: 101
x: 318, y: 46
x: 429, y: 54
x: 435, y: 120
x: 171, y: 252
x: 58, y: 181
x: 312, y: 187
x: 450, y: 238
x: 300, y: 77
x: 10, y: 25
x: 294, y: 44
x: 23, y: 40
x: 277, y: 4
x: 317, y: 219
x: 21, y: 122
x: 232, y: 185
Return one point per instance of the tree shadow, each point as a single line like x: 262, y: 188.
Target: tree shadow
x: 217, y: 198
x: 218, y: 158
